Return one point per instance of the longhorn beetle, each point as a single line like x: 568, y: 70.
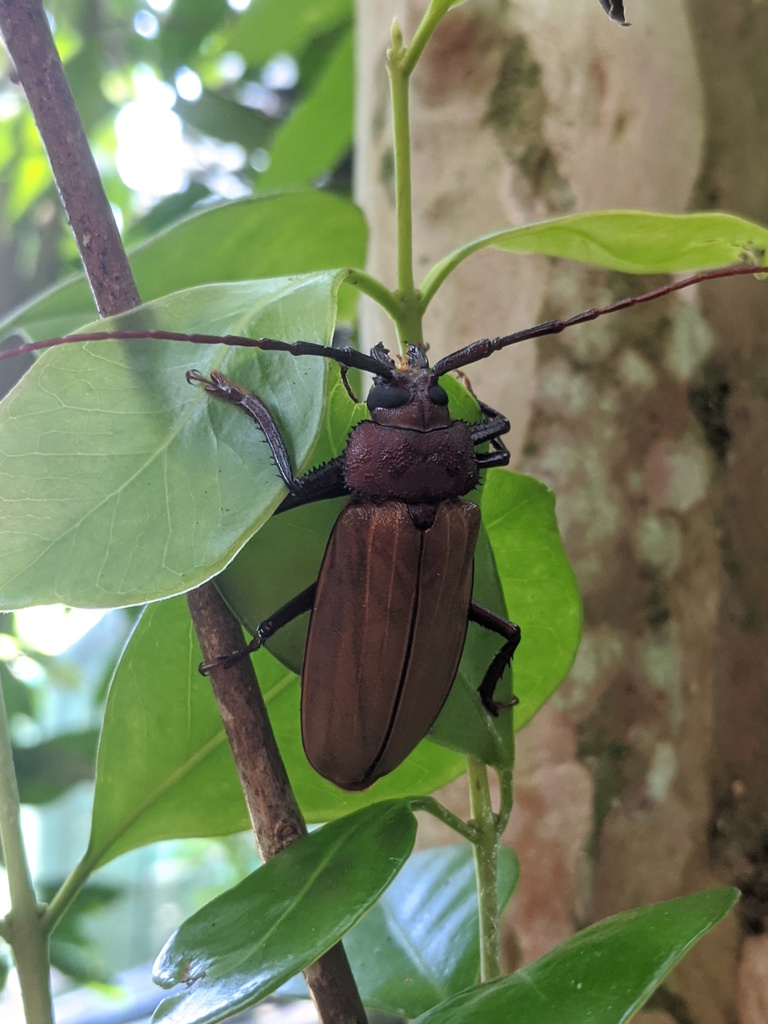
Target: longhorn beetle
x: 403, y: 546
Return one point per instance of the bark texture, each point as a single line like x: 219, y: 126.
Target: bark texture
x: 647, y: 776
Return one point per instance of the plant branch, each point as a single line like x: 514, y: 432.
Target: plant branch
x: 453, y: 821
x: 67, y: 893
x: 432, y: 18
x: 486, y: 852
x: 408, y: 317
x: 506, y: 796
x: 276, y: 818
x: 22, y: 927
x: 374, y: 289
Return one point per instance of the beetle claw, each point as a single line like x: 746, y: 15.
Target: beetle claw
x: 228, y: 660
x: 493, y: 707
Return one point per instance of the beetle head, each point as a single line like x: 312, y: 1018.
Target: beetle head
x: 411, y: 397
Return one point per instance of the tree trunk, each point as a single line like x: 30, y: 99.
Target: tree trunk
x: 646, y: 776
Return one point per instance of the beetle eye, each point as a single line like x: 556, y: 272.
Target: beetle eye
x: 437, y: 395
x: 387, y: 396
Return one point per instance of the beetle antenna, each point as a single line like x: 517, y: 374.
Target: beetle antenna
x: 348, y: 357
x: 486, y: 346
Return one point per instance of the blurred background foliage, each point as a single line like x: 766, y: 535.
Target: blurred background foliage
x: 185, y: 103
x: 188, y: 104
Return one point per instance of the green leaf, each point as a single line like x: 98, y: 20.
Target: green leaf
x: 182, y: 780
x: 45, y: 770
x: 540, y: 589
x: 223, y: 118
x: 247, y: 942
x: 420, y: 944
x: 626, y: 240
x: 602, y: 975
x: 252, y: 238
x: 273, y: 26
x: 119, y: 482
x: 318, y: 132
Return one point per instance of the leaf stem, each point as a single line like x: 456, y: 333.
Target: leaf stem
x: 408, y: 316
x: 67, y: 894
x: 432, y: 18
x: 437, y: 810
x: 374, y: 289
x: 486, y: 869
x: 506, y: 796
x: 23, y: 926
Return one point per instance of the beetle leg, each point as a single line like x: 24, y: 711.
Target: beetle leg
x: 291, y: 610
x: 327, y: 481
x: 511, y: 632
x: 492, y: 426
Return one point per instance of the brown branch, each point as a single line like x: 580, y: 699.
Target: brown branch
x: 276, y: 818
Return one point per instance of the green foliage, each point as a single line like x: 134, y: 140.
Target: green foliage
x: 602, y: 975
x: 247, y: 942
x: 279, y: 235
x: 87, y: 468
x: 307, y: 144
x: 45, y: 770
x: 182, y: 780
x: 630, y: 241
x: 420, y: 943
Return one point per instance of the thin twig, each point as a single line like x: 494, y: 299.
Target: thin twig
x: 22, y: 928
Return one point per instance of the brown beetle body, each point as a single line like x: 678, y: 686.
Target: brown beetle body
x: 393, y: 598
x: 374, y: 678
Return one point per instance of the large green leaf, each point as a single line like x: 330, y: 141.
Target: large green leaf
x: 420, y: 944
x: 602, y: 975
x: 272, y: 236
x: 625, y: 240
x: 247, y: 942
x: 270, y: 27
x: 44, y: 770
x: 162, y: 720
x: 539, y: 586
x: 318, y: 131
x: 119, y: 482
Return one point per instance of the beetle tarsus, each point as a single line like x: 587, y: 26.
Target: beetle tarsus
x: 228, y: 660
x: 493, y: 707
